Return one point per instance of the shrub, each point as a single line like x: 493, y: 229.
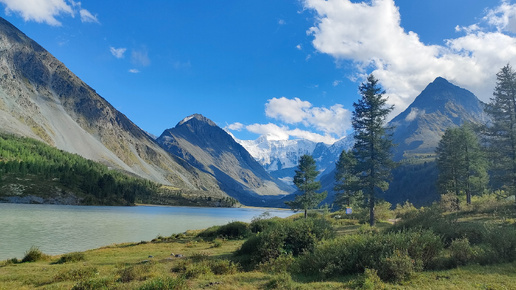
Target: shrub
x: 281, y: 281
x: 405, y: 211
x: 286, y: 237
x: 71, y: 257
x: 370, y: 280
x: 354, y: 253
x: 33, y: 255
x: 222, y: 267
x: 461, y: 252
x: 232, y: 230
x: 134, y: 273
x: 281, y: 264
x: 259, y: 225
x: 160, y: 283
x: 397, y: 267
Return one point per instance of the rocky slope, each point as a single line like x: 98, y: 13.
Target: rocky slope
x: 40, y: 98
x: 209, y: 148
x: 440, y: 105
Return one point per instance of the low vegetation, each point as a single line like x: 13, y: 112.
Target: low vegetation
x: 425, y: 248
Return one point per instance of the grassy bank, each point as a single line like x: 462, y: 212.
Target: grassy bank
x: 473, y: 248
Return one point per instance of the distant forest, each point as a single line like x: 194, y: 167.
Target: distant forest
x: 27, y: 162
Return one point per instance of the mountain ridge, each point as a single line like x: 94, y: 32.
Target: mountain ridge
x: 209, y: 148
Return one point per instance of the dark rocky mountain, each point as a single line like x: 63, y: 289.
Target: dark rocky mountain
x: 210, y: 149
x: 40, y: 98
x: 417, y: 132
x: 440, y: 105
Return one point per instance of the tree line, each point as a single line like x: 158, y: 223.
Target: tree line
x: 20, y: 156
x: 471, y: 159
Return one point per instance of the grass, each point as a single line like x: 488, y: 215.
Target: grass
x: 209, y: 264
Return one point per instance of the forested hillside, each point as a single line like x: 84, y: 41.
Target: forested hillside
x: 31, y: 171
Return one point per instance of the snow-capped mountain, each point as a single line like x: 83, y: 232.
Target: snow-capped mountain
x: 280, y: 157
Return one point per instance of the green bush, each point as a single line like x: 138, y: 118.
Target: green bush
x: 232, y: 230
x: 281, y: 281
x: 285, y: 237
x: 397, y: 267
x: 259, y: 225
x: 134, y: 273
x: 354, y: 253
x: 222, y: 267
x: 71, y: 257
x: 461, y: 252
x: 33, y: 255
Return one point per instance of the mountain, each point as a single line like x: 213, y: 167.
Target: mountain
x: 440, y: 105
x: 41, y: 99
x: 417, y: 132
x: 209, y: 148
x: 280, y: 157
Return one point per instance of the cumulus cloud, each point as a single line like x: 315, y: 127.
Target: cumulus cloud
x: 299, y: 119
x: 275, y: 132
x: 403, y: 64
x: 46, y: 11
x: 237, y: 126
x: 117, y: 52
x: 334, y: 120
x: 134, y: 71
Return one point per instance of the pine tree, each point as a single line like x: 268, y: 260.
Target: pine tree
x: 461, y: 163
x: 501, y: 133
x: 372, y: 148
x: 305, y: 182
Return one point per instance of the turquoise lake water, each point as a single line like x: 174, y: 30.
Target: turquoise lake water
x: 58, y: 229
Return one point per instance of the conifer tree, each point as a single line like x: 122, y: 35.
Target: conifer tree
x: 373, y: 143
x: 346, y: 180
x: 461, y: 163
x: 501, y: 133
x: 305, y: 182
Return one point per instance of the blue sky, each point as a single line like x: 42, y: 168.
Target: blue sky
x: 287, y: 68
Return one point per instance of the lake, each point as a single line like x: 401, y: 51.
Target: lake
x: 58, y: 229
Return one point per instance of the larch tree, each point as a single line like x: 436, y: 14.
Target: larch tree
x: 373, y: 142
x: 305, y: 181
x: 461, y: 163
x: 501, y: 132
x: 346, y: 181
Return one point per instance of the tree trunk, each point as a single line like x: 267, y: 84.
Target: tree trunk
x: 306, y: 214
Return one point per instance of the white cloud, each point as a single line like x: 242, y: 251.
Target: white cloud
x: 42, y: 11
x: 46, y: 11
x: 86, y: 16
x: 289, y: 111
x: 237, y: 126
x: 403, y: 64
x: 117, y: 52
x: 334, y: 120
x: 275, y: 132
x: 140, y: 57
x: 134, y: 71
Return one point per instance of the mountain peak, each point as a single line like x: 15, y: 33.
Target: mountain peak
x: 196, y: 117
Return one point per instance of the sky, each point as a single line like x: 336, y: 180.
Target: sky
x: 286, y: 68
